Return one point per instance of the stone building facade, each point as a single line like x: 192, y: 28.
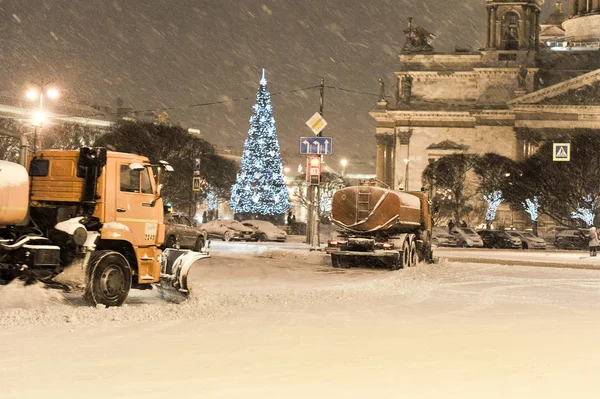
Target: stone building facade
x: 505, y: 98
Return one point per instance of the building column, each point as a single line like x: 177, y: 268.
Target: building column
x: 494, y: 43
x: 389, y: 164
x: 488, y: 32
x: 522, y: 31
x: 582, y: 8
x: 385, y: 158
x: 402, y: 176
x: 596, y: 6
x: 530, y: 22
x: 573, y: 8
x: 536, y: 36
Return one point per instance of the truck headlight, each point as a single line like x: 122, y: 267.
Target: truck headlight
x: 79, y: 236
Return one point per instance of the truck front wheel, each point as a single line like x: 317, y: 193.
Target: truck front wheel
x: 109, y: 279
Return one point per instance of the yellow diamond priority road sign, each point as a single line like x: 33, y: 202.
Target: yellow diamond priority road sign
x: 316, y: 123
x: 561, y: 152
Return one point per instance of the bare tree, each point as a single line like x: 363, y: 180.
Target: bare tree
x: 330, y: 183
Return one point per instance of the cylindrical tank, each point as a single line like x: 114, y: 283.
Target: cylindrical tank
x: 14, y: 193
x: 369, y: 208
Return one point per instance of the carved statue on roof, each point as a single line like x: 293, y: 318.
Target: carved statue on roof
x: 381, y: 89
x: 417, y: 38
x: 522, y: 77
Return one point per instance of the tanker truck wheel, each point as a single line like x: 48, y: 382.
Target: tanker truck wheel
x: 109, y: 279
x: 414, y: 256
x: 406, y: 254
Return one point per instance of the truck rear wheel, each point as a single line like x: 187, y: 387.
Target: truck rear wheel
x: 109, y: 279
x: 406, y: 254
x: 414, y: 257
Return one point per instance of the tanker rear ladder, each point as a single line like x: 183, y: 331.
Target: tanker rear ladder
x: 362, y: 203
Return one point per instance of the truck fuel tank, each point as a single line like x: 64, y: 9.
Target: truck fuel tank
x: 14, y: 193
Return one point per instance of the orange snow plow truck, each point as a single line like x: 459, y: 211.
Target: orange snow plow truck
x: 380, y: 227
x: 90, y: 219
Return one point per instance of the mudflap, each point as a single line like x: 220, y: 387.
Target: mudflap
x: 174, y: 268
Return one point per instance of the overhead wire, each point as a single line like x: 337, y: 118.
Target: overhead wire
x: 170, y: 108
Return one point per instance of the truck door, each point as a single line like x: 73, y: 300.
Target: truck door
x: 190, y: 233
x: 134, y: 205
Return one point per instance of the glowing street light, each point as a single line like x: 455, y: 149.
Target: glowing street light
x: 344, y: 162
x: 39, y: 117
x: 32, y: 94
x: 37, y: 93
x: 52, y: 93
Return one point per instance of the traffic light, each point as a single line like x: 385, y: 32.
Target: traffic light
x: 313, y: 169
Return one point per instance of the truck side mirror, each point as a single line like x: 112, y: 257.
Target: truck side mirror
x: 136, y: 166
x: 166, y: 166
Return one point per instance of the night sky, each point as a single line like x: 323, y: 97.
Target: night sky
x: 176, y: 53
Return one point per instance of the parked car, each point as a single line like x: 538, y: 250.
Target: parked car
x: 466, y: 237
x: 227, y: 230
x: 442, y: 238
x: 528, y: 240
x: 265, y: 231
x: 499, y: 239
x: 181, y: 231
x: 572, y: 239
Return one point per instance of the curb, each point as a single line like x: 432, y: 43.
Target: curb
x: 510, y: 262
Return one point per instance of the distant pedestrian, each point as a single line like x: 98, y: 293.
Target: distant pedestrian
x: 463, y: 224
x: 450, y: 226
x: 593, y: 241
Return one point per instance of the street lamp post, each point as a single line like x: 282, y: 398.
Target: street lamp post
x: 344, y: 162
x: 37, y: 93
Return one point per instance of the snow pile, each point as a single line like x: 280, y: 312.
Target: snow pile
x: 17, y: 295
x: 312, y: 257
x: 41, y: 307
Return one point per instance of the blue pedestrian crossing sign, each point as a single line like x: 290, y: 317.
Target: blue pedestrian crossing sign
x: 561, y: 152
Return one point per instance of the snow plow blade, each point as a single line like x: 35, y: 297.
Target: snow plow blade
x: 174, y: 269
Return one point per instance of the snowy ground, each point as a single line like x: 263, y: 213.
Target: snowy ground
x: 284, y: 324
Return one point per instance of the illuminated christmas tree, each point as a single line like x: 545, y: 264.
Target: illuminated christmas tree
x: 260, y: 189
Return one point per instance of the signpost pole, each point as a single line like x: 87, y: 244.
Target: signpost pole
x: 315, y: 148
x: 313, y: 212
x: 317, y: 233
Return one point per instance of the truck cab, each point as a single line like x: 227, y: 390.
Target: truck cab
x: 95, y: 219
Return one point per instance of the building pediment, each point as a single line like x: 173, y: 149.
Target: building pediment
x: 448, y: 145
x: 582, y: 90
x: 551, y: 31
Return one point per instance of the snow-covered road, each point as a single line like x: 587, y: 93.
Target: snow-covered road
x: 287, y: 325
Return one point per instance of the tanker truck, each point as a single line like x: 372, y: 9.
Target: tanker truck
x: 380, y: 227
x: 90, y: 219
